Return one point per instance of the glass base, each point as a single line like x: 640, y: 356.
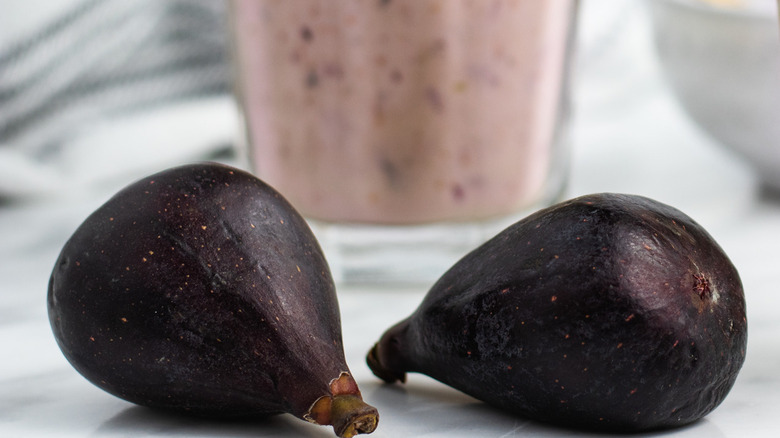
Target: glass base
x: 401, y: 255
x: 417, y: 255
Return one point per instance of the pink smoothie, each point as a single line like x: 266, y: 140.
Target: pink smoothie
x: 402, y: 111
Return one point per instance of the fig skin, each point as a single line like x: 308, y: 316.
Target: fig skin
x: 608, y: 312
x: 201, y: 289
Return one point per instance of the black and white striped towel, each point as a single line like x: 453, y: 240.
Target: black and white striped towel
x: 107, y: 87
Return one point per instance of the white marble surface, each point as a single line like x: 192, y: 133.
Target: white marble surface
x: 629, y: 136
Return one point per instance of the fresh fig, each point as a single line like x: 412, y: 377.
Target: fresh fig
x: 201, y: 289
x: 609, y: 311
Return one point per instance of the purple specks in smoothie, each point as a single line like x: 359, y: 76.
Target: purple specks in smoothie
x: 391, y: 172
x: 458, y: 192
x: 434, y: 99
x: 396, y: 76
x: 312, y: 79
x: 307, y: 34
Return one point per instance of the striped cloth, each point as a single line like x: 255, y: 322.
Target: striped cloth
x: 98, y: 61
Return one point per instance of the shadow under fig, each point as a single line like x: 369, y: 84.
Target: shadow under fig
x: 141, y: 420
x: 431, y: 406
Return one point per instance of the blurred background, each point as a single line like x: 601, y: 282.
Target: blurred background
x: 94, y: 93
x: 676, y: 100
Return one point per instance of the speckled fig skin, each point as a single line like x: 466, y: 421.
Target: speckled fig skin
x: 608, y: 311
x: 201, y: 289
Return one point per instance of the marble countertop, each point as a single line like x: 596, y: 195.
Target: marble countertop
x: 629, y: 135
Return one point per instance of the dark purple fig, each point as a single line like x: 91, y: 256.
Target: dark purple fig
x: 200, y: 289
x: 608, y: 311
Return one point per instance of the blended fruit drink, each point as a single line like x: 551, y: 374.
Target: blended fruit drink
x: 405, y: 111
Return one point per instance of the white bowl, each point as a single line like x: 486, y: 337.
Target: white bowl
x: 722, y: 59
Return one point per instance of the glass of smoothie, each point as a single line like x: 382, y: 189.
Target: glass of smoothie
x: 406, y: 131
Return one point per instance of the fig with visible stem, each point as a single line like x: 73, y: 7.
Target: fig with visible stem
x: 201, y: 289
x: 608, y: 311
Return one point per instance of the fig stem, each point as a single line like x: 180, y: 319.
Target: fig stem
x: 350, y: 416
